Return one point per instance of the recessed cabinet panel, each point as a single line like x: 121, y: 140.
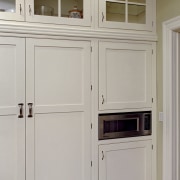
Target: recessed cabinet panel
x: 12, y: 10
x: 67, y: 12
x: 12, y: 93
x: 128, y: 161
x: 56, y: 67
x: 125, y: 76
x: 61, y: 145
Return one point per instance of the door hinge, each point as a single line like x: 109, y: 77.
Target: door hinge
x: 152, y: 51
x: 152, y: 23
x: 91, y: 163
x: 152, y: 146
x: 91, y: 48
x: 91, y: 18
x: 91, y: 125
x: 152, y: 100
x: 91, y: 87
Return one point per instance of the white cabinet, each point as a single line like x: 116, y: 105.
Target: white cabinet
x: 56, y: 109
x: 68, y: 12
x: 12, y: 92
x: 59, y: 133
x: 126, y: 14
x: 130, y: 160
x: 12, y: 10
x: 125, y: 75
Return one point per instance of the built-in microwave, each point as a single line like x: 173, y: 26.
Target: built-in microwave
x: 121, y: 125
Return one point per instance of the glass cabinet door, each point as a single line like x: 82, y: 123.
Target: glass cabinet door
x: 126, y: 14
x: 12, y: 10
x: 71, y: 12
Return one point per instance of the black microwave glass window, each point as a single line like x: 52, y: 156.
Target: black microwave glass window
x: 121, y: 125
x: 128, y: 125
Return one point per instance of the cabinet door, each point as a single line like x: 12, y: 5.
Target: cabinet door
x: 12, y: 10
x: 66, y: 12
x: 58, y: 133
x: 126, y: 14
x: 12, y: 92
x: 127, y: 161
x: 124, y: 75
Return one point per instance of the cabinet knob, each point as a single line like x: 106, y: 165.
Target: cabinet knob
x: 30, y: 110
x: 20, y: 110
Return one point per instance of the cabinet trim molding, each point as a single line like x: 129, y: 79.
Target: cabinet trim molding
x: 58, y: 30
x: 171, y: 70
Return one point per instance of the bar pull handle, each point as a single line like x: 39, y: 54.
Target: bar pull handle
x: 30, y: 110
x: 102, y: 155
x: 103, y: 99
x: 20, y: 9
x: 102, y: 16
x: 20, y: 110
x: 30, y: 10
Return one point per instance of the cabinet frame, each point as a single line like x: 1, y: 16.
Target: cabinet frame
x: 104, y: 104
x: 103, y: 23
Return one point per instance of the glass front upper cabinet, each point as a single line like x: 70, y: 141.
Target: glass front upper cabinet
x: 67, y: 12
x: 126, y: 14
x: 12, y: 10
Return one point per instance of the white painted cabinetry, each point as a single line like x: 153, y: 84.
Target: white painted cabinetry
x: 130, y: 160
x: 59, y: 133
x: 12, y: 93
x: 56, y: 109
x: 12, y: 10
x: 125, y: 75
x: 63, y: 12
x: 126, y: 14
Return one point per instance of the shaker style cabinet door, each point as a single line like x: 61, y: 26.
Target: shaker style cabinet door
x: 65, y: 12
x: 126, y: 161
x: 58, y: 110
x: 124, y: 75
x: 12, y: 10
x: 126, y: 14
x: 12, y: 102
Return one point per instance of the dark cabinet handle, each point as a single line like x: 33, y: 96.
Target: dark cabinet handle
x: 20, y: 110
x: 102, y: 155
x: 20, y: 9
x: 103, y: 99
x: 30, y: 110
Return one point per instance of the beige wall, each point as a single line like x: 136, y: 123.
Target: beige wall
x: 166, y: 9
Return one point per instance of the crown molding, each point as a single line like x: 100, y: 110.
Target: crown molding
x: 70, y: 31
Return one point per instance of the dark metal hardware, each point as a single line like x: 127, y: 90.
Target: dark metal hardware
x: 102, y: 155
x: 20, y: 9
x: 102, y: 16
x: 103, y: 99
x: 30, y: 10
x: 30, y: 110
x: 20, y: 110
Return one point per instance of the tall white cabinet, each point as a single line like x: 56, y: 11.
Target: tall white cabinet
x: 53, y: 118
x: 58, y: 133
x: 62, y: 64
x: 12, y: 93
